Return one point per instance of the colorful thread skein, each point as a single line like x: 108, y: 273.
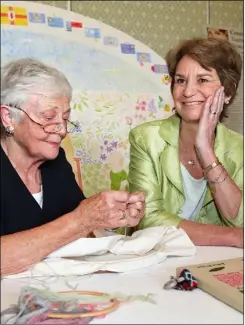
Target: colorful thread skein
x: 71, y: 307
x: 185, y: 281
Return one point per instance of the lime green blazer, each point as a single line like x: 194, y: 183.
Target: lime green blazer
x: 154, y: 168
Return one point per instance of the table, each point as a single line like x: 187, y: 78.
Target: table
x: 172, y: 306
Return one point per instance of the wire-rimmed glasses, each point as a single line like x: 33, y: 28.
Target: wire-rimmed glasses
x: 70, y: 126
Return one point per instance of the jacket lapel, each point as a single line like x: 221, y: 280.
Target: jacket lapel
x: 170, y: 155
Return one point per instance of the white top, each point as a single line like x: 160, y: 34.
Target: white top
x: 194, y: 190
x: 39, y: 197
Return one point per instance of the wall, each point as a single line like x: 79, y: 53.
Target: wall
x: 146, y: 21
x: 124, y: 83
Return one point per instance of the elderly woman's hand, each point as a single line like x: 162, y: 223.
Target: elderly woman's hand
x: 136, y: 205
x: 110, y: 209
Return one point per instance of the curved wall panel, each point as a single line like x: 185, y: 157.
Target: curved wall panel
x: 117, y: 83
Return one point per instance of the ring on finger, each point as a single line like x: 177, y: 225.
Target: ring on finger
x: 124, y: 215
x: 213, y: 112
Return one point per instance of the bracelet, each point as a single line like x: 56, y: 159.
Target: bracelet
x: 211, y: 166
x: 222, y: 180
x: 212, y: 188
x: 216, y: 180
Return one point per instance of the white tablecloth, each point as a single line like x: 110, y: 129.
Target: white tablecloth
x: 172, y: 307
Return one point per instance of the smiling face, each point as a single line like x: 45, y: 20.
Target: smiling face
x: 192, y: 86
x: 30, y: 136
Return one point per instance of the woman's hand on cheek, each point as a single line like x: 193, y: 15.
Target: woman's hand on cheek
x: 206, y: 131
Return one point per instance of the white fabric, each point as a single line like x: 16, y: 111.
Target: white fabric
x: 144, y: 248
x: 194, y: 190
x: 39, y: 197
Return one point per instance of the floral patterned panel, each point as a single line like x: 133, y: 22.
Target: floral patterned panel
x: 118, y: 83
x: 100, y: 146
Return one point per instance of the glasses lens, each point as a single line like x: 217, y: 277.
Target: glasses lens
x: 56, y: 128
x: 53, y: 128
x: 72, y: 127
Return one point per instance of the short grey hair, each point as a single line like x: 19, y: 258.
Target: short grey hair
x: 23, y: 77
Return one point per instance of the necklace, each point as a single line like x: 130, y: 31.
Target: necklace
x: 191, y: 162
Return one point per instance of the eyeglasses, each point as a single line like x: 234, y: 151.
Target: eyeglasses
x: 71, y: 127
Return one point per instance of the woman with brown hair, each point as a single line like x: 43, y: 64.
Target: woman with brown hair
x: 191, y: 165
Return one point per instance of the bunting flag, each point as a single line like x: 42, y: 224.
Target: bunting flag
x: 13, y: 16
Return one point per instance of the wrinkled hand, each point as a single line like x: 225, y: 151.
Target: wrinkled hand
x: 111, y: 209
x: 136, y: 206
x: 210, y: 117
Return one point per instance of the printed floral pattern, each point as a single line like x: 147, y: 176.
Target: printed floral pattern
x: 106, y: 120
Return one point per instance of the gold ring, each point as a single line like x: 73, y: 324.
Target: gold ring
x: 124, y: 216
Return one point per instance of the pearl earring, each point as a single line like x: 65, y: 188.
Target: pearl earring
x: 9, y: 130
x: 227, y: 101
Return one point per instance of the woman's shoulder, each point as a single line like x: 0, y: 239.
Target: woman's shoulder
x: 155, y: 125
x: 156, y: 133
x: 229, y: 147
x: 231, y: 137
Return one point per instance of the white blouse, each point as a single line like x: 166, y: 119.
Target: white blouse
x: 39, y: 197
x: 194, y: 190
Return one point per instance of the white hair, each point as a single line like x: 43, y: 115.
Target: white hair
x: 23, y: 77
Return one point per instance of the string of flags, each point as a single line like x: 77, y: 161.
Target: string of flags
x: 18, y: 16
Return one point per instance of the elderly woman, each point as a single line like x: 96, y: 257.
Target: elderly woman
x: 42, y: 207
x: 190, y: 165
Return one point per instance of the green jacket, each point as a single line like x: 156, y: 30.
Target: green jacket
x: 155, y: 169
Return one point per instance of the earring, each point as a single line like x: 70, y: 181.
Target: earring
x: 9, y: 130
x: 227, y: 101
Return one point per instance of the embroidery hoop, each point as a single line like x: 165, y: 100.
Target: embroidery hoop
x: 107, y: 310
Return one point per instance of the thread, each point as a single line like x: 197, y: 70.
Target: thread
x: 37, y: 306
